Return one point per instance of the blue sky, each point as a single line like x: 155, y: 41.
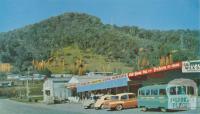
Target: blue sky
x: 149, y: 14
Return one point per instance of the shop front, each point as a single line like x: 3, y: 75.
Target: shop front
x: 132, y: 81
x: 108, y: 85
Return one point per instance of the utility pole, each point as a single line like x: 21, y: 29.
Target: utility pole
x: 27, y: 85
x: 182, y: 42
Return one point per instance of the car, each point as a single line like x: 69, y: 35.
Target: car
x: 89, y: 103
x: 125, y: 100
x: 101, y: 102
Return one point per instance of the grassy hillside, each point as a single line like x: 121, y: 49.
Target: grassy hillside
x: 65, y: 59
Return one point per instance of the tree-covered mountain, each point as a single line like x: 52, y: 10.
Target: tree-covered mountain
x: 136, y: 47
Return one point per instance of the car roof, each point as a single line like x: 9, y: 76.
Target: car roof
x: 108, y: 95
x: 125, y: 94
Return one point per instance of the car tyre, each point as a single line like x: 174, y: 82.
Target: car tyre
x: 92, y: 105
x: 102, y: 106
x: 163, y: 110
x: 119, y: 107
x: 144, y: 109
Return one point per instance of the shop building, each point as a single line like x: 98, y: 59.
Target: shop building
x: 132, y: 81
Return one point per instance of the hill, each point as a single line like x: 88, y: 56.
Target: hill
x: 131, y: 47
x: 69, y: 59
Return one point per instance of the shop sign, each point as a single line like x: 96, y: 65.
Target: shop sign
x: 191, y: 66
x: 155, y: 69
x: 103, y: 80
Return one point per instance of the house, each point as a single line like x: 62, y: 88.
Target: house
x: 54, y: 90
x: 6, y: 83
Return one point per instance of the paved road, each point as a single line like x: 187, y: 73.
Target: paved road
x: 12, y: 107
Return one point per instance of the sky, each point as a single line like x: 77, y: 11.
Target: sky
x: 148, y: 14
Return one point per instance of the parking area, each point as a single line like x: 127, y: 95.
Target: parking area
x: 79, y: 108
x: 13, y: 107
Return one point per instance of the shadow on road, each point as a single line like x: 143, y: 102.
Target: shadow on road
x: 3, y: 97
x: 157, y: 110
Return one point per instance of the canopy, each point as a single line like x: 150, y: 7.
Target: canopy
x: 119, y: 82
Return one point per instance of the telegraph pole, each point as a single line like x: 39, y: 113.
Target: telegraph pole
x: 27, y: 85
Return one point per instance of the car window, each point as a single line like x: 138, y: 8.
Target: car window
x: 107, y: 98
x: 131, y: 96
x: 114, y: 97
x: 124, y: 97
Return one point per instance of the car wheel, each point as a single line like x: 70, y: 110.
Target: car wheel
x: 163, y: 110
x: 85, y: 107
x: 119, y: 107
x: 144, y: 109
x: 102, y: 106
x: 92, y: 105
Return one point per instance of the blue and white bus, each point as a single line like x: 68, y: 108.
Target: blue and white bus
x: 179, y: 94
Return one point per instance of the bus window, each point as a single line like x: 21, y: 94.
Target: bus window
x: 142, y: 92
x: 154, y: 92
x: 190, y: 90
x: 147, y: 92
x: 162, y: 92
x: 181, y: 90
x: 172, y: 91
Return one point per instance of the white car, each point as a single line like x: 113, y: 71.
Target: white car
x: 89, y: 103
x: 100, y: 102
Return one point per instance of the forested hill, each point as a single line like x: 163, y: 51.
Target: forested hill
x: 126, y: 44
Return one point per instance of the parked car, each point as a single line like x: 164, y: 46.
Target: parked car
x: 89, y: 103
x: 125, y: 100
x: 101, y: 102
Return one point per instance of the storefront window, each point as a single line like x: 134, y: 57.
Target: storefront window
x: 47, y: 92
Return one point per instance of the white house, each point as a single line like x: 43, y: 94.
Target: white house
x: 54, y: 90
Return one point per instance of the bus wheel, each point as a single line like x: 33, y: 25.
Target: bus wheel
x: 163, y: 110
x: 119, y: 107
x: 144, y: 109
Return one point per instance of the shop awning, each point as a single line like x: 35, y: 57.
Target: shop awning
x: 104, y: 84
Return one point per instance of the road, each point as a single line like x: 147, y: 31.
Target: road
x: 13, y: 107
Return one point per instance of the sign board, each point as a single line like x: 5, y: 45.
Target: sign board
x: 155, y: 69
x: 191, y: 66
x: 103, y: 80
